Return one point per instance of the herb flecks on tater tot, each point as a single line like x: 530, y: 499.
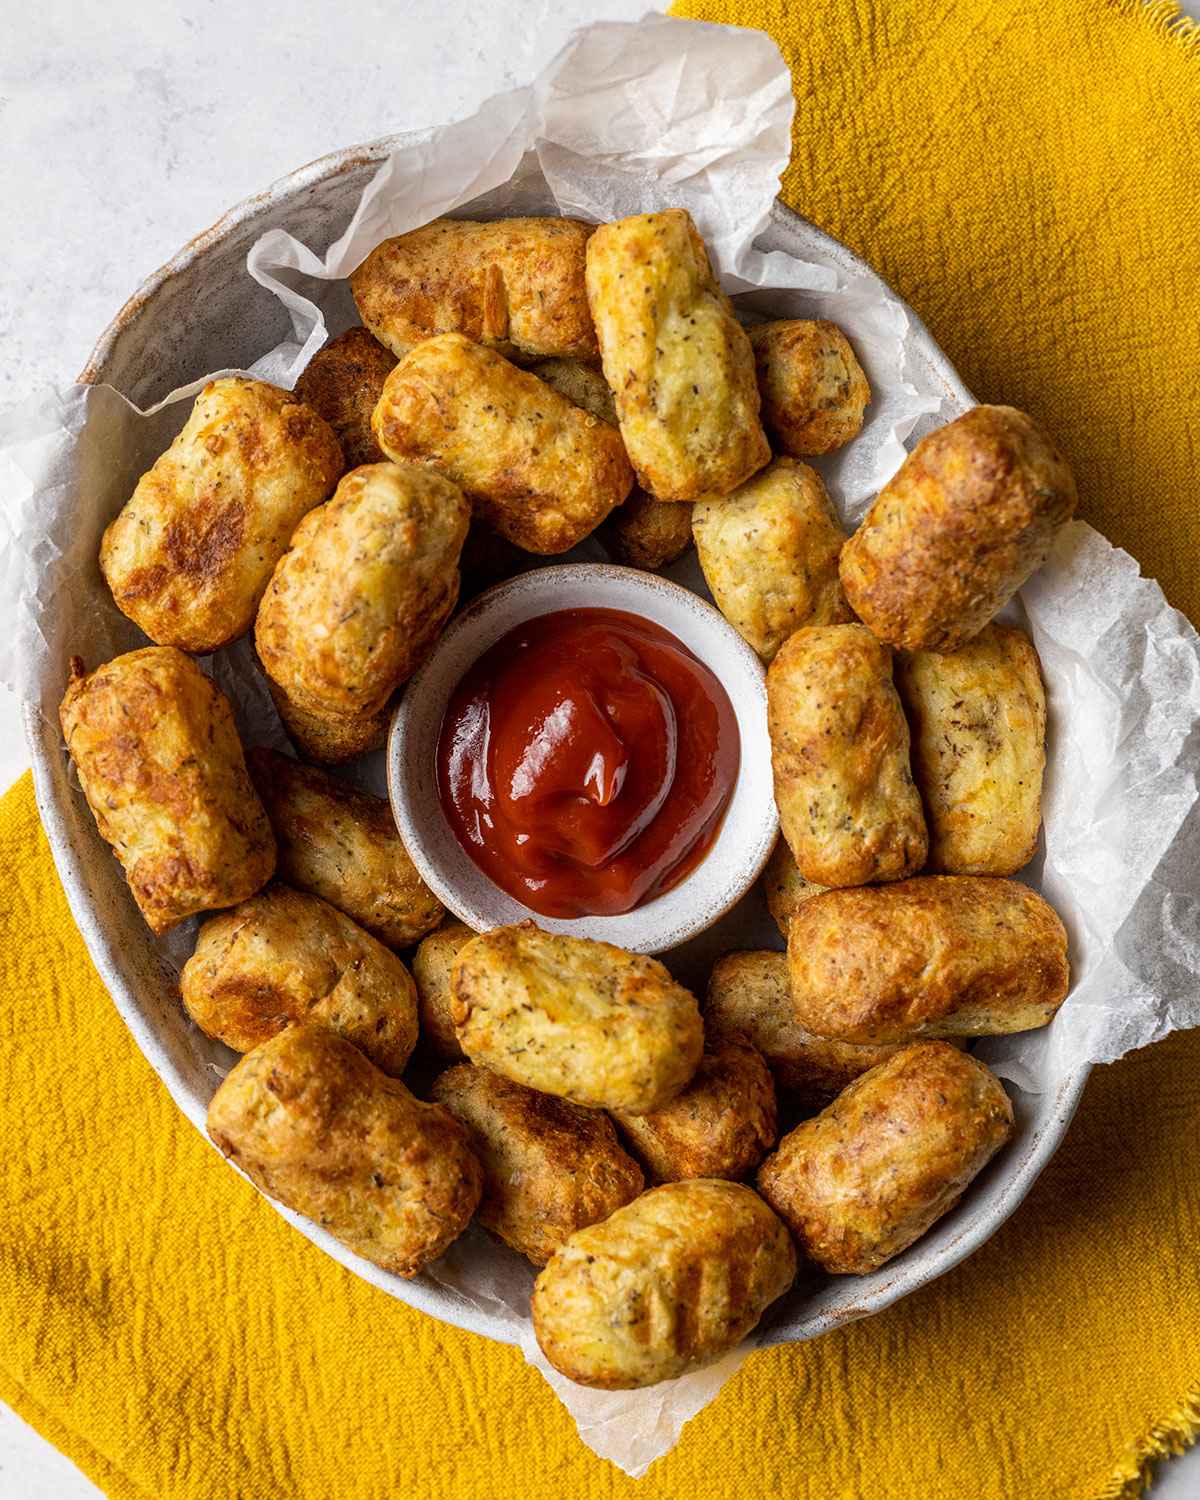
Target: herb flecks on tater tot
x: 541, y: 471
x: 324, y: 1132
x: 785, y: 889
x: 514, y: 284
x: 972, y: 512
x: 936, y: 956
x: 750, y: 995
x: 191, y: 552
x: 341, y: 844
x: 769, y: 552
x: 549, y: 1167
x: 721, y: 1125
x: 813, y: 388
x: 285, y: 957
x: 161, y: 766
x: 978, y: 720
x: 360, y: 596
x: 584, y: 1020
x: 677, y: 361
x: 665, y: 1285
x: 642, y: 531
x: 893, y: 1153
x: 848, y: 806
x: 342, y: 383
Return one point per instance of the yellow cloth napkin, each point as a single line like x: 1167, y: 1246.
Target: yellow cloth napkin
x: 1026, y: 175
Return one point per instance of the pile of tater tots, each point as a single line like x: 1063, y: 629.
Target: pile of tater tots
x: 514, y: 387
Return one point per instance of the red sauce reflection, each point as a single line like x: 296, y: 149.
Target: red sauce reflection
x: 586, y: 760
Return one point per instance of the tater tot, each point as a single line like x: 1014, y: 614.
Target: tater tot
x: 893, y: 1153
x: 285, y: 957
x: 317, y: 1127
x: 665, y: 1285
x: 978, y: 721
x: 643, y: 532
x: 721, y: 1125
x: 938, y: 956
x: 582, y: 385
x: 432, y: 966
x: 583, y: 1020
x: 848, y: 806
x: 514, y: 284
x: 785, y: 888
x: 190, y: 554
x: 678, y: 362
x: 813, y: 389
x: 750, y: 995
x: 538, y: 469
x: 769, y: 552
x: 649, y: 533
x: 342, y: 845
x: 331, y: 739
x: 361, y: 594
x: 972, y: 512
x: 342, y: 383
x: 161, y: 766
x: 549, y: 1167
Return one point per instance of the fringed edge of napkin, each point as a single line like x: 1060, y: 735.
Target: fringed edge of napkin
x: 1166, y: 18
x: 1168, y: 1438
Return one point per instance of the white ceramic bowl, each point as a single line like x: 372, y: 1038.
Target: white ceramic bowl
x: 202, y: 312
x: 747, y: 833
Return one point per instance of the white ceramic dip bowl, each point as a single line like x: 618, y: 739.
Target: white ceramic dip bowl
x: 747, y: 833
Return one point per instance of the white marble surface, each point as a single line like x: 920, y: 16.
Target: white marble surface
x: 125, y: 129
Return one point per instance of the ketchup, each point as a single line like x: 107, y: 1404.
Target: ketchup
x: 586, y: 760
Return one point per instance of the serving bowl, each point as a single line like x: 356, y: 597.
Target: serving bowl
x: 202, y: 312
x: 748, y: 830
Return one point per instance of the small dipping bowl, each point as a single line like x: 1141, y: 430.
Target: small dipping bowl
x: 747, y: 833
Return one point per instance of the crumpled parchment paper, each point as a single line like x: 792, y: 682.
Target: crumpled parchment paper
x: 630, y: 118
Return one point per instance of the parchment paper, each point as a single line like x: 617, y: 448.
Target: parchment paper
x: 628, y: 119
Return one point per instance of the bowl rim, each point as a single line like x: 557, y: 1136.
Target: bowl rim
x: 320, y: 169
x: 45, y: 746
x: 478, y: 610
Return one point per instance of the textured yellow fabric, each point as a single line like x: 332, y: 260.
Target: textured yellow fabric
x: 1026, y: 175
